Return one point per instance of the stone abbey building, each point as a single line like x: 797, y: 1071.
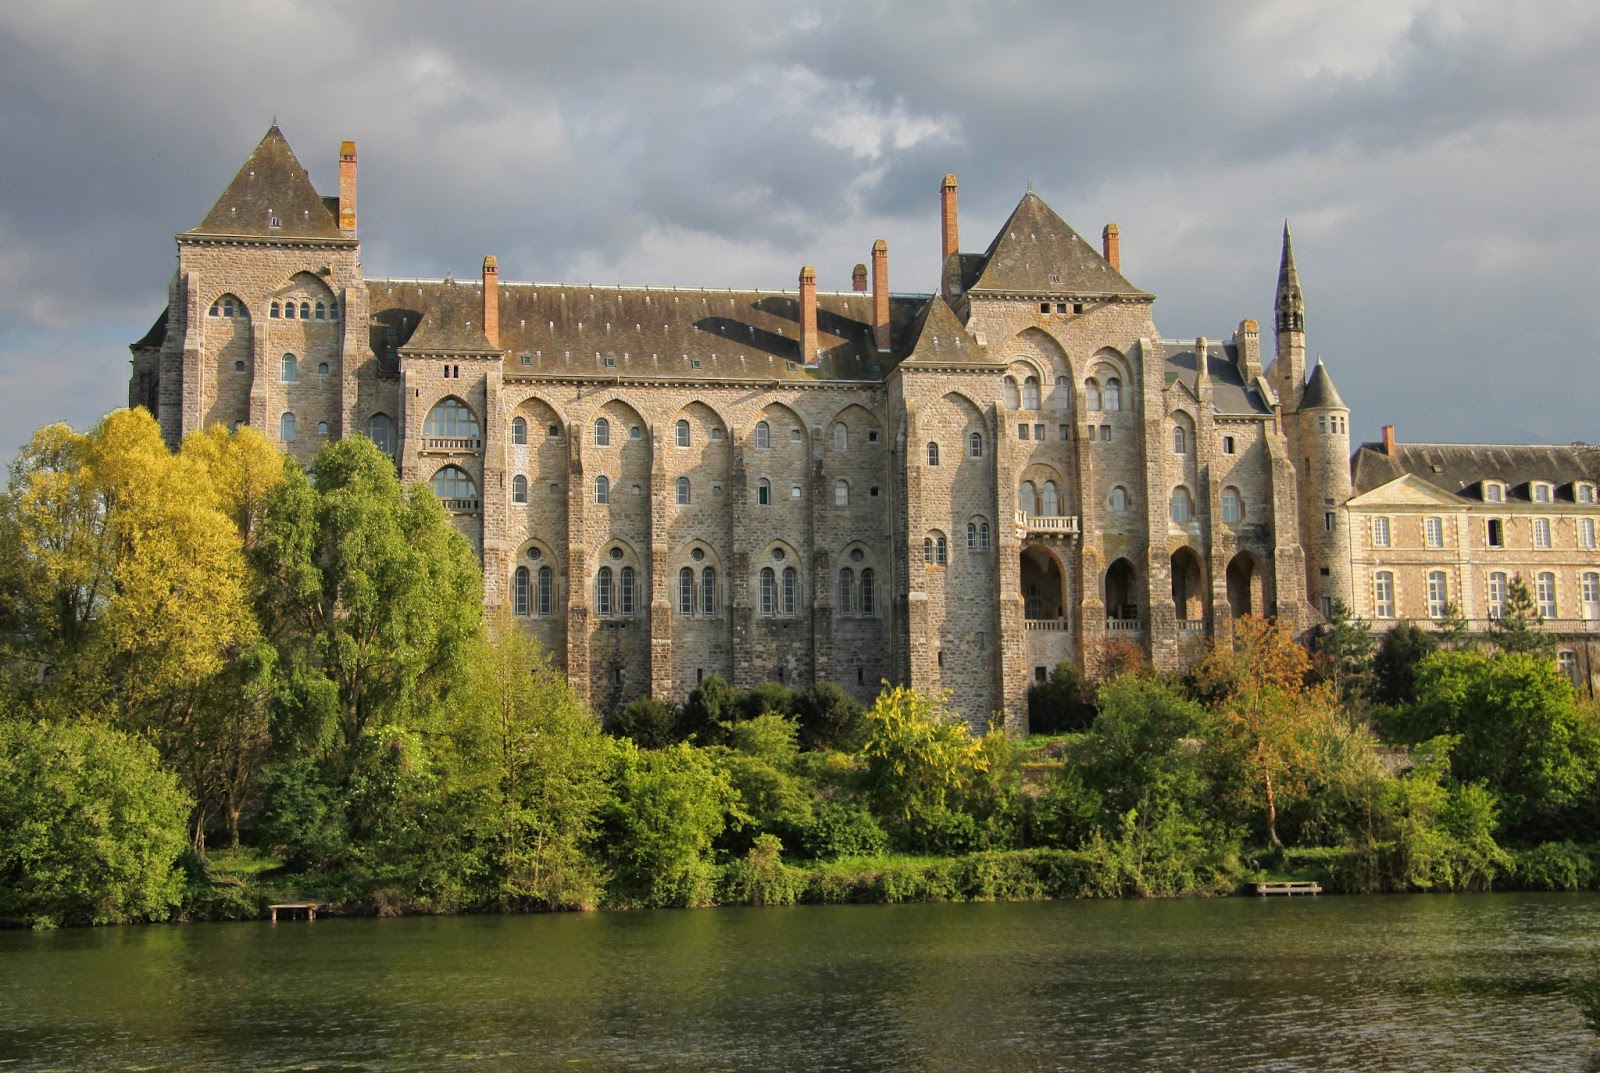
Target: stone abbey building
x: 952, y: 490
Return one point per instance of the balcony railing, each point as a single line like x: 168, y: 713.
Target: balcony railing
x: 461, y: 506
x: 1124, y: 625
x: 452, y: 443
x: 1192, y: 625
x: 1056, y: 524
x: 1053, y: 624
x: 1481, y: 625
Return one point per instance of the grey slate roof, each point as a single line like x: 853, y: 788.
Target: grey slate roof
x: 1320, y: 392
x: 1037, y: 253
x: 153, y: 338
x: 939, y: 336
x: 1461, y: 468
x: 1230, y: 395
x: 270, y: 185
x: 570, y: 329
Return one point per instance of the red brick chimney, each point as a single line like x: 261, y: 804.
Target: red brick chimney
x: 491, y: 300
x: 1111, y: 243
x: 347, y: 186
x: 1388, y: 440
x: 947, y: 211
x: 858, y: 279
x: 880, y: 294
x: 808, y: 315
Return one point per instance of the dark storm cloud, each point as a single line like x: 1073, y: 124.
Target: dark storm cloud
x: 1436, y: 159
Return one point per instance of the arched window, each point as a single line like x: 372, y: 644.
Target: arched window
x: 972, y: 536
x: 1050, y: 501
x: 322, y: 368
x: 763, y: 492
x: 519, y: 591
x: 1091, y: 394
x: 451, y: 419
x: 983, y: 536
x: 454, y: 488
x: 547, y: 584
x: 322, y: 311
x: 1028, y: 498
x: 791, y: 590
x: 274, y: 312
x: 1113, y: 394
x: 686, y: 591
x: 841, y: 493
x: 602, y: 432
x: 602, y: 489
x: 291, y: 369
x: 305, y: 310
x: 1063, y: 394
x: 380, y: 430
x: 626, y: 593
x: 847, y: 591
x: 868, y: 593
x: 286, y: 428
x: 708, y: 591
x: 941, y: 550
x: 1180, y: 444
x: 680, y: 433
x: 1232, y: 506
x: 1544, y: 592
x: 1030, y: 393
x: 683, y: 491
x: 519, y: 489
x: 763, y: 435
x: 519, y: 430
x: 975, y: 445
x: 603, y: 593
x: 333, y: 310
x: 289, y: 310
x: 322, y: 428
x: 927, y: 550
x: 1119, y: 498
x: 769, y: 591
x: 1013, y: 400
x: 841, y: 437
x: 933, y: 454
x: 1182, y: 507
x: 1438, y: 593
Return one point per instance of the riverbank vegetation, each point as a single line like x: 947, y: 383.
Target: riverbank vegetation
x: 225, y: 681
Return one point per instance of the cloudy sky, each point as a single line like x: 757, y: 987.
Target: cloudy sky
x: 1438, y: 160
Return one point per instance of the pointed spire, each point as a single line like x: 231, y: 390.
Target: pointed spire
x: 1291, y: 305
x: 1320, y: 392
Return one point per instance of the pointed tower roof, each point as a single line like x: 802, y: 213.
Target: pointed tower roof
x: 940, y: 336
x: 1320, y: 394
x: 271, y: 186
x: 1291, y: 304
x: 1037, y: 253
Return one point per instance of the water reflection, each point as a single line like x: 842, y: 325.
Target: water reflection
x: 1400, y: 983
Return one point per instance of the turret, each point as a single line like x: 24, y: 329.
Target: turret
x: 1322, y: 426
x: 1290, y: 323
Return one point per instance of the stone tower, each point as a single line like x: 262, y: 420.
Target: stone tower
x: 1323, y: 436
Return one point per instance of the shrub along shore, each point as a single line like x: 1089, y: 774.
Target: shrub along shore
x: 225, y: 682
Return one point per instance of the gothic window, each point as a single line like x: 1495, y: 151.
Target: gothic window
x: 769, y: 593
x: 680, y: 433
x: 933, y: 454
x: 454, y: 488
x: 683, y: 491
x: 1030, y: 393
x: 1383, y: 594
x: 1113, y: 394
x: 625, y: 593
x: 1438, y: 593
x: 547, y: 586
x: 451, y: 419
x: 286, y: 428
x: 975, y: 445
x: 1180, y: 443
x: 1091, y: 394
x: 1028, y: 498
x: 602, y: 489
x: 291, y: 369
x: 791, y: 586
x: 686, y: 591
x: 847, y: 591
x: 763, y: 435
x: 1544, y: 591
x: 708, y: 591
x: 1013, y: 400
x: 1119, y: 499
x: 1232, y: 506
x: 841, y: 493
x: 1497, y: 594
x: 1433, y: 532
x: 519, y: 591
x: 519, y: 489
x: 602, y: 432
x: 519, y: 430
x: 841, y: 437
x: 603, y: 592
x: 380, y: 430
x: 868, y: 593
x: 1050, y: 501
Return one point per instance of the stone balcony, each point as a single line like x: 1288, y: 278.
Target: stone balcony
x: 1059, y: 526
x: 452, y: 444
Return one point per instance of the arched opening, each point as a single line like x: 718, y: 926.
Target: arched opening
x: 1242, y: 585
x: 1188, y: 586
x: 1043, y: 590
x: 1122, y: 593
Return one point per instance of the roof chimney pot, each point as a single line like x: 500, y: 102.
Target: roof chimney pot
x: 491, y: 301
x: 1111, y: 245
x: 808, y: 316
x: 880, y: 294
x: 1388, y: 440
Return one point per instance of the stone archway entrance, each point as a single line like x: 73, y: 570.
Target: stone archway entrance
x: 1188, y: 586
x: 1244, y: 586
x: 1122, y: 592
x: 1043, y: 587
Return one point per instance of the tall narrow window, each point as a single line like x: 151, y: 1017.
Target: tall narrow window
x: 603, y: 593
x: 291, y: 369
x: 1438, y: 593
x: 1181, y: 506
x: 286, y: 428
x: 519, y: 489
x: 1433, y: 529
x: 683, y: 491
x: 1497, y: 595
x: 1589, y: 593
x: 1091, y: 395
x: 1544, y: 590
x: 868, y: 593
x: 547, y: 587
x: 1013, y: 400
x: 1497, y: 533
x: 763, y: 492
x: 927, y: 550
x: 519, y: 430
x: 1383, y: 594
x: 680, y: 433
x: 1586, y: 533
x: 933, y: 454
x: 602, y: 489
x: 847, y: 591
x: 1028, y: 499
x: 708, y: 591
x: 1063, y: 394
x: 841, y: 493
x: 941, y: 552
x: 380, y: 430
x: 972, y: 536
x: 791, y: 586
x: 626, y: 593
x: 602, y: 432
x: 686, y: 591
x: 1232, y: 506
x: 1113, y: 394
x: 1180, y: 442
x: 1541, y: 532
x: 1030, y: 393
x: 983, y: 536
x: 519, y: 591
x: 975, y: 445
x: 763, y: 435
x: 841, y: 437
x: 1380, y: 532
x: 1050, y: 501
x: 322, y: 311
x: 1119, y: 499
x: 769, y: 591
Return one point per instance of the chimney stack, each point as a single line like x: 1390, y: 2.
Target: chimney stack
x: 858, y: 279
x: 491, y: 300
x: 1111, y: 244
x: 1388, y: 440
x: 880, y: 294
x: 808, y: 315
x: 950, y: 244
x: 347, y: 186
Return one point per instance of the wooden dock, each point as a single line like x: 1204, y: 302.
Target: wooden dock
x: 1289, y: 888
x: 293, y: 908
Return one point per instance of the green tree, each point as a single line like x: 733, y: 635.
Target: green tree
x: 650, y: 722
x: 669, y: 808
x: 1394, y: 667
x: 1060, y: 702
x: 1517, y: 629
x: 91, y: 826
x: 1342, y: 656
x: 710, y: 704
x: 761, y: 760
x: 829, y: 718
x: 1440, y: 832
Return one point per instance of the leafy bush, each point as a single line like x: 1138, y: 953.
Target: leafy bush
x: 651, y: 723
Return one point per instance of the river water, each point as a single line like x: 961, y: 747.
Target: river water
x: 1431, y: 982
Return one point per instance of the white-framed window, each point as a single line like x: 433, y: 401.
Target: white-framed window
x: 1497, y: 594
x: 602, y: 489
x: 519, y: 489
x: 1438, y: 593
x: 519, y: 430
x: 287, y: 425
x: 1181, y: 506
x: 1583, y: 492
x: 1232, y: 506
x: 841, y: 493
x: 1586, y: 533
x: 1383, y: 594
x: 1380, y: 532
x: 520, y: 591
x: 868, y: 593
x: 935, y: 552
x: 933, y: 453
x: 604, y: 593
x: 1433, y: 531
x: 769, y: 591
x: 708, y: 591
x: 1589, y: 594
x: 546, y: 592
x: 847, y: 591
x: 627, y: 600
x: 680, y: 433
x: 1567, y: 664
x: 791, y: 590
x: 686, y: 590
x: 1544, y: 594
x: 1494, y: 492
x: 291, y: 369
x: 1541, y: 492
x: 975, y: 445
x: 1541, y: 532
x: 763, y: 435
x: 602, y: 432
x: 683, y: 491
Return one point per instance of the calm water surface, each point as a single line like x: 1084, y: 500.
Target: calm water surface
x: 1399, y: 983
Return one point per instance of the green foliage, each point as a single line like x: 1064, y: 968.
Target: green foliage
x: 760, y: 761
x: 842, y: 829
x: 649, y: 722
x: 91, y: 827
x: 761, y: 877
x: 1565, y: 866
x: 768, y: 697
x: 1394, y: 667
x: 670, y: 806
x: 1343, y: 657
x: 1060, y: 702
x: 1517, y: 628
x: 829, y: 718
x: 1441, y: 832
x: 712, y: 703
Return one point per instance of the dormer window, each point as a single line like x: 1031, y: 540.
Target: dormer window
x: 1494, y: 492
x: 1583, y: 492
x: 1540, y: 492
